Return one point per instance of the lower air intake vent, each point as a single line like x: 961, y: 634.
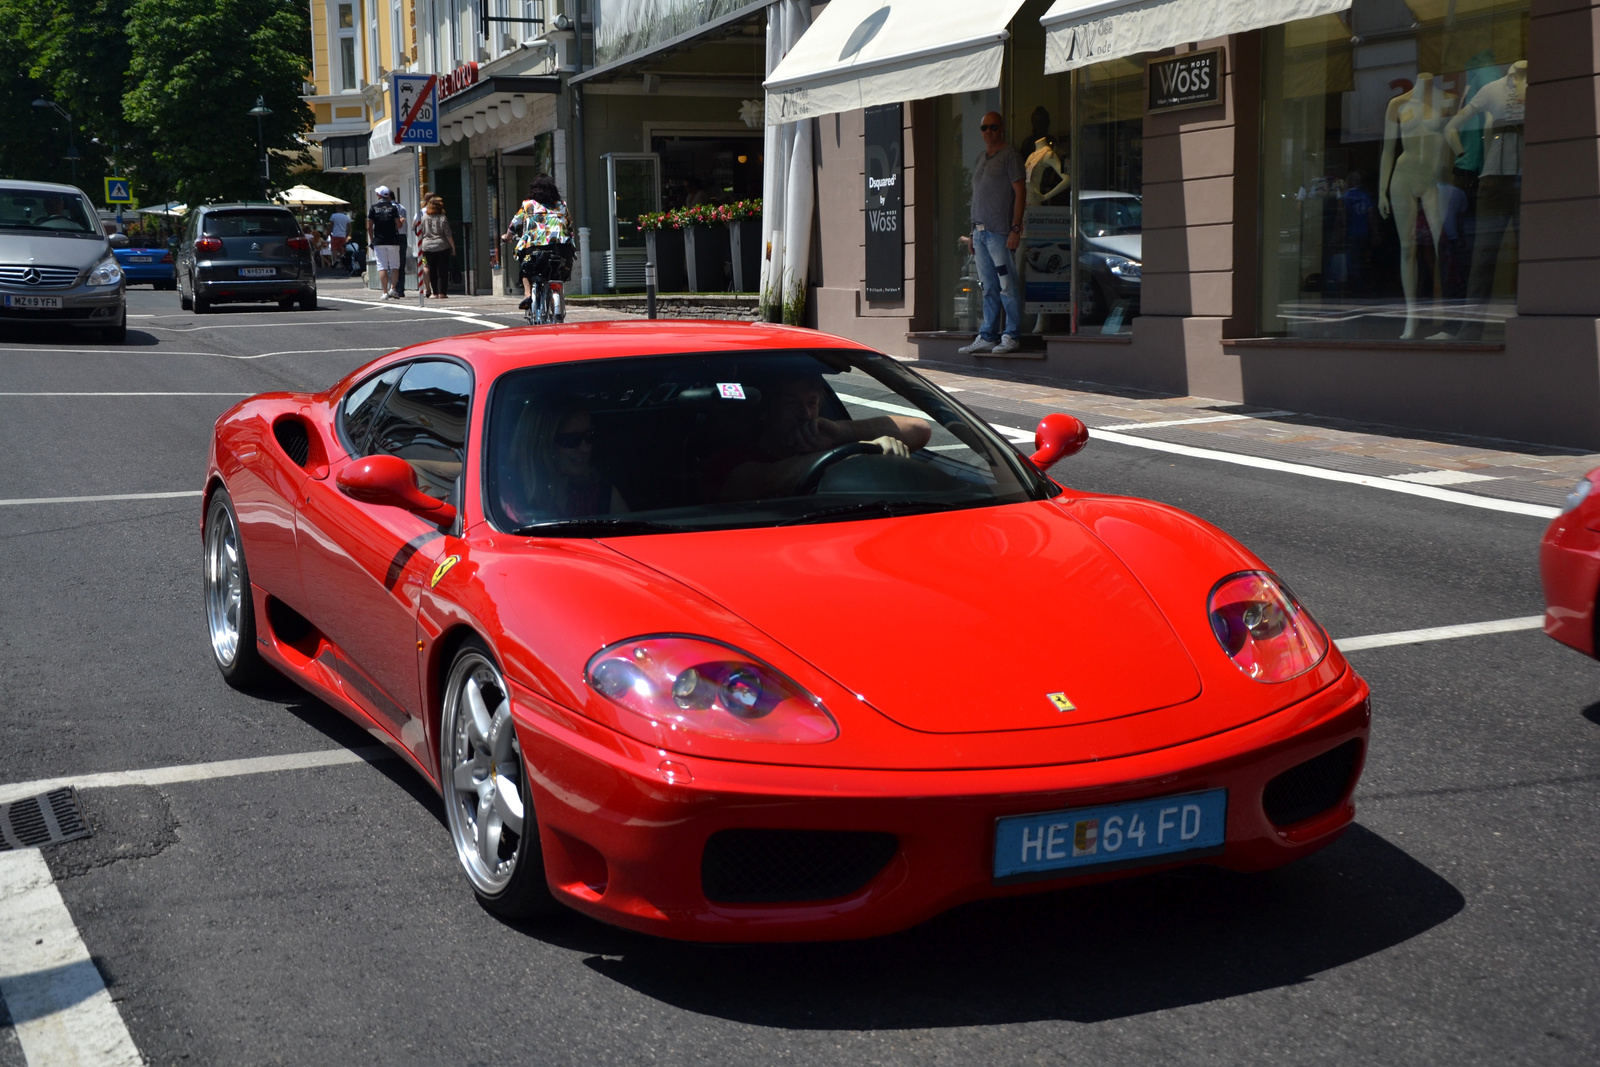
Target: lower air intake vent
x: 42, y: 820
x: 1312, y: 787
x: 292, y: 438
x: 789, y: 866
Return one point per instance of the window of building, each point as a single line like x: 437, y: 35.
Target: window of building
x: 345, y: 46
x: 375, y: 73
x: 1392, y: 171
x: 398, y: 57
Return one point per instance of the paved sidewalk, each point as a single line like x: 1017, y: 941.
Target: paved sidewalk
x: 1508, y: 470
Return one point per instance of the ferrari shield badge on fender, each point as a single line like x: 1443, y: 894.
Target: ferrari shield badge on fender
x: 1058, y: 699
x: 443, y: 569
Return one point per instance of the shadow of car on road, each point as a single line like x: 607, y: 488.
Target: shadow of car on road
x: 57, y: 337
x: 1102, y: 952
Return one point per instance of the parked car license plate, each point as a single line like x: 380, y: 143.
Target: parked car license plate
x: 1120, y: 835
x: 258, y: 272
x: 14, y: 301
x: 141, y: 259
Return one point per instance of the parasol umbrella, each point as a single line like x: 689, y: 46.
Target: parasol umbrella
x: 305, y: 196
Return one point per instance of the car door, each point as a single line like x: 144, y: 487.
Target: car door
x: 364, y: 565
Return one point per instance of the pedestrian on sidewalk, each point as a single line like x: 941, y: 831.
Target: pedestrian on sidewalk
x: 999, y: 196
x: 435, y: 245
x: 386, y: 222
x: 338, y: 233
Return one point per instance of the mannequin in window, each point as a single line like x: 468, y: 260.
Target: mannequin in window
x: 1501, y: 103
x: 1046, y: 171
x: 1413, y: 124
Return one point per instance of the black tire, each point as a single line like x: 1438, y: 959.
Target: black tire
x: 286, y: 305
x: 308, y: 301
x: 239, y: 660
x: 185, y: 301
x: 526, y: 892
x: 202, y: 306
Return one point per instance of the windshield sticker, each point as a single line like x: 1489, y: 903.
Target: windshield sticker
x: 1061, y: 702
x: 731, y: 390
x: 443, y: 569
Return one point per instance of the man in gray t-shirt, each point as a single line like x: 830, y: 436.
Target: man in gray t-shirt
x: 999, y: 195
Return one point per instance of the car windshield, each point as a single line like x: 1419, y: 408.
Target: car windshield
x: 250, y: 224
x: 716, y: 441
x: 26, y: 209
x: 1110, y: 216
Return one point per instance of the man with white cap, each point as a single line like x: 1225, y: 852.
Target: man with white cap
x: 386, y: 227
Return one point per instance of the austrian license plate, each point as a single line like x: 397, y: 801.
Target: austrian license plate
x: 258, y: 272
x: 14, y: 301
x: 140, y: 259
x: 1110, y: 835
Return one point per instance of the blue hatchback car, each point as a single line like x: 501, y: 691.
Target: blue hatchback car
x: 146, y: 266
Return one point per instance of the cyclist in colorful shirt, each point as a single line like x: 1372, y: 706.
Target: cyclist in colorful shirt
x: 542, y: 224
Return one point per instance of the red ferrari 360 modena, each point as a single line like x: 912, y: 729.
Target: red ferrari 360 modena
x: 1569, y: 568
x: 742, y: 632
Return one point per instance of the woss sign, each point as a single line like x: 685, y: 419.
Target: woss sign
x: 1193, y: 79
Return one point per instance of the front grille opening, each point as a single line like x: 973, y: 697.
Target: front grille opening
x: 47, y: 819
x: 293, y: 439
x: 1312, y: 787
x: 791, y: 866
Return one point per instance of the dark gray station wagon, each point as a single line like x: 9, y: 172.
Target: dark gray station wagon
x: 232, y: 253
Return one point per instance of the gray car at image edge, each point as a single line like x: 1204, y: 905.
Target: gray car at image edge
x: 56, y: 264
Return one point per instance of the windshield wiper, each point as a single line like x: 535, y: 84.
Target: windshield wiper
x: 593, y: 528
x: 888, y: 509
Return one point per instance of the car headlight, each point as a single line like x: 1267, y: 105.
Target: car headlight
x: 1263, y: 628
x: 1123, y: 267
x: 707, y: 689
x: 106, y: 272
x: 1580, y: 492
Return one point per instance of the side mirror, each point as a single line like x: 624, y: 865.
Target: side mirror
x: 1057, y: 437
x: 118, y: 240
x: 389, y: 480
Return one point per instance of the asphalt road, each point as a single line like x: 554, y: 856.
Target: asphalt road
x: 317, y: 916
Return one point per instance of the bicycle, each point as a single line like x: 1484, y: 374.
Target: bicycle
x: 545, y: 270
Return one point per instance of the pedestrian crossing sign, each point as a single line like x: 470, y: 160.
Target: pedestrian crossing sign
x: 119, y: 191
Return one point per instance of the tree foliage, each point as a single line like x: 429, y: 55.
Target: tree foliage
x: 197, y: 68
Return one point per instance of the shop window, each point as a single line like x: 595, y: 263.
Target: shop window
x: 1101, y: 109
x: 1392, y: 171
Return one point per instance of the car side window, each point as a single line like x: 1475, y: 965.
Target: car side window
x: 424, y: 422
x: 361, y: 406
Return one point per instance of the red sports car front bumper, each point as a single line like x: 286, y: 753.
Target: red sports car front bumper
x: 1569, y: 569
x: 625, y: 827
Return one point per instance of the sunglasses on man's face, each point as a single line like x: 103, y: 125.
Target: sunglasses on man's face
x: 573, y: 440
x: 988, y: 126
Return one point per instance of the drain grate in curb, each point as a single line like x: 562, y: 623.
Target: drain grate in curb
x: 46, y: 819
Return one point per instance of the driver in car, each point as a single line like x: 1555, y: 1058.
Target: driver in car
x: 793, y: 434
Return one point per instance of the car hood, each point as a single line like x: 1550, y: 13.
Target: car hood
x: 1128, y: 245
x: 983, y: 620
x: 57, y: 250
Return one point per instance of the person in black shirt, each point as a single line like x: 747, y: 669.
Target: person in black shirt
x: 386, y: 221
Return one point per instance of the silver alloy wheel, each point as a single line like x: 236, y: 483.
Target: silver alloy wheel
x: 482, y: 766
x: 224, y: 584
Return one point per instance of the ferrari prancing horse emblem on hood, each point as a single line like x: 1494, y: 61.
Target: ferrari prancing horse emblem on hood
x: 443, y: 569
x: 1061, y: 702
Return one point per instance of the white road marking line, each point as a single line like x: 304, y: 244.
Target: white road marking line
x: 57, y: 1000
x: 1440, y: 633
x: 199, y: 772
x: 881, y: 405
x: 96, y: 499
x: 127, y: 394
x: 1444, y: 477
x: 459, y: 316
x: 214, y: 355
x: 197, y: 328
x: 1196, y: 421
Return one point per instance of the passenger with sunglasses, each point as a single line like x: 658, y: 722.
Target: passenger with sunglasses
x: 553, y: 459
x: 999, y: 196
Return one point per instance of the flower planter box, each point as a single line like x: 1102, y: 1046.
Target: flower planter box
x: 745, y: 238
x: 672, y: 271
x: 709, y: 255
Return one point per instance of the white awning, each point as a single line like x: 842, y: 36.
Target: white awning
x: 1080, y: 32
x: 859, y: 53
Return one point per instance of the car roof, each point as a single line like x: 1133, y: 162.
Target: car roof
x: 20, y: 185
x: 494, y: 353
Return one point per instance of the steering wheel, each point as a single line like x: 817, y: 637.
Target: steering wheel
x: 812, y: 478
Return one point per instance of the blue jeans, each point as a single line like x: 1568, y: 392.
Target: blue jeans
x: 990, y: 249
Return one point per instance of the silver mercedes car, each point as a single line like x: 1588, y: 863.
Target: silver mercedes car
x: 56, y: 265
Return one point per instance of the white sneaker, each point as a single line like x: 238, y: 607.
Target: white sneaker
x: 1007, y: 344
x: 388, y: 296
x: 978, y: 345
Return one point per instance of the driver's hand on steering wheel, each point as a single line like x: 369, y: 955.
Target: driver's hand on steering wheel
x: 892, y: 446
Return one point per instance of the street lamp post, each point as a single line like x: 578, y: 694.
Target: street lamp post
x: 261, y: 111
x: 72, y: 142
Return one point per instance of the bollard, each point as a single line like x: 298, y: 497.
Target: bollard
x: 650, y: 289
